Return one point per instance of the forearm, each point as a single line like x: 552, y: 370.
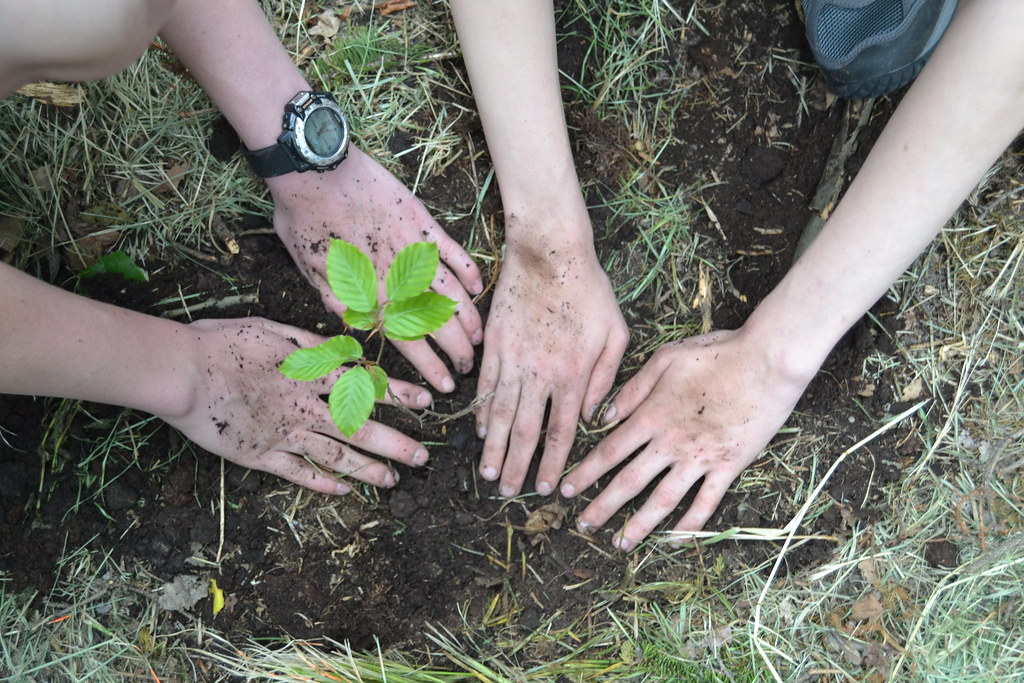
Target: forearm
x: 509, y: 49
x: 235, y: 55
x: 232, y: 51
x: 54, y: 343
x: 964, y: 109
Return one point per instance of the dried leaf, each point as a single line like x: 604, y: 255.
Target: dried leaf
x: 181, y: 594
x: 878, y: 656
x: 542, y: 520
x: 175, y: 172
x: 85, y: 252
x: 489, y: 581
x: 868, y: 607
x: 11, y: 231
x: 327, y: 26
x: 913, y: 391
x: 42, y: 179
x: 869, y: 571
x: 839, y: 643
x: 216, y: 597
x: 392, y: 6
x: 57, y: 94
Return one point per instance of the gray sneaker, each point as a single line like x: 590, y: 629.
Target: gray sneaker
x: 866, y: 48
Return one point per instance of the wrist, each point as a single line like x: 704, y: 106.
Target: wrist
x: 345, y: 177
x: 549, y: 229
x: 792, y: 346
x: 168, y: 387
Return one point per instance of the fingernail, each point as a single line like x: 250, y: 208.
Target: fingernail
x: 447, y: 385
x: 609, y: 414
x: 584, y: 527
x: 423, y: 400
x: 481, y: 432
x: 477, y: 336
x: 391, y: 479
x: 489, y: 473
x: 622, y: 543
x: 590, y: 413
x: 342, y: 489
x: 420, y: 457
x: 507, y: 491
x: 543, y: 488
x: 568, y: 490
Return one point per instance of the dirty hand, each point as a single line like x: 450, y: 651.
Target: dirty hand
x: 703, y: 407
x: 554, y: 333
x: 245, y: 410
x: 360, y: 202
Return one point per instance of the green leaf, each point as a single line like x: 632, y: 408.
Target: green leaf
x: 361, y: 320
x: 351, y: 400
x: 118, y: 263
x: 316, y: 361
x: 351, y: 276
x: 410, y: 319
x: 412, y: 271
x: 380, y: 381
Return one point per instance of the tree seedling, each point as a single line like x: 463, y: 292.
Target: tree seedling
x: 409, y: 313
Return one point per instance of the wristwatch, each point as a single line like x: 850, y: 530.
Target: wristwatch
x: 315, y: 137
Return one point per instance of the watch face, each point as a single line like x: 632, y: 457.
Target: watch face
x: 324, y: 132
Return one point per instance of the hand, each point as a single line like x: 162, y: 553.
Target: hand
x: 552, y: 334
x: 245, y: 410
x: 703, y: 407
x: 362, y: 203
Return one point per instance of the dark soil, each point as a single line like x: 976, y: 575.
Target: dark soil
x: 383, y: 564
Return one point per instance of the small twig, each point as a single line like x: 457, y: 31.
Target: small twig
x: 441, y: 418
x: 220, y: 544
x: 258, y: 231
x: 831, y: 183
x: 226, y: 302
x: 196, y: 254
x: 496, y: 255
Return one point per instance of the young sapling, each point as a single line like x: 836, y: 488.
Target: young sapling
x: 410, y: 312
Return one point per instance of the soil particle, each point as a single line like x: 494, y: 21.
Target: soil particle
x: 119, y: 496
x: 761, y: 165
x: 177, y: 488
x: 942, y: 554
x: 402, y: 504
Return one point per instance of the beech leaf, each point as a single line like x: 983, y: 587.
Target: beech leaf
x: 410, y: 319
x: 380, y: 381
x: 351, y: 276
x: 412, y: 271
x: 351, y: 400
x: 316, y: 361
x: 361, y: 320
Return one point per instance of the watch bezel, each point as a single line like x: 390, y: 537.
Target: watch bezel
x: 299, y: 110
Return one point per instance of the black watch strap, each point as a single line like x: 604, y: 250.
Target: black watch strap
x: 272, y: 161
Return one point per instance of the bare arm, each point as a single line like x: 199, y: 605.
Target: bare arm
x: 555, y: 332
x: 235, y: 55
x: 706, y: 407
x: 217, y: 381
